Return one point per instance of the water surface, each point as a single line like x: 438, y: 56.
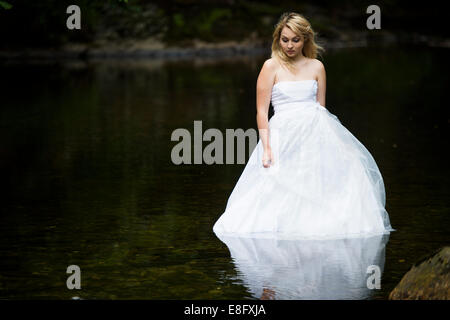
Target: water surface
x: 88, y: 178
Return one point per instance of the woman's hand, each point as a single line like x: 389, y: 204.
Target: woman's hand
x: 267, y: 158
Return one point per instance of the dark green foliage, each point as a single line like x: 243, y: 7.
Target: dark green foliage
x: 26, y: 23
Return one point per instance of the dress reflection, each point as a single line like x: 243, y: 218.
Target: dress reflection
x: 274, y: 269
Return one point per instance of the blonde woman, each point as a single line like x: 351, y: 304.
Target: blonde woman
x: 308, y: 177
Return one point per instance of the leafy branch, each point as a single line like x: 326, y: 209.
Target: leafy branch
x: 5, y: 5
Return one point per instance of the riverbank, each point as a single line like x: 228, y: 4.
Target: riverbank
x: 155, y: 48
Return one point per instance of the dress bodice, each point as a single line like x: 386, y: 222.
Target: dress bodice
x: 288, y: 95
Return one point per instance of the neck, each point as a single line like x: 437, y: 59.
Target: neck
x: 299, y: 58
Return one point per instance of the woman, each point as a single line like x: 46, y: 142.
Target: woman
x: 316, y: 180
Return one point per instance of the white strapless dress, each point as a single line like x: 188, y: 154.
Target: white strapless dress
x: 324, y: 184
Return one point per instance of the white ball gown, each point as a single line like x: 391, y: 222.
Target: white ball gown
x: 324, y: 184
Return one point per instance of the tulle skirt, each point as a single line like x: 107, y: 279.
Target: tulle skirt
x: 324, y: 184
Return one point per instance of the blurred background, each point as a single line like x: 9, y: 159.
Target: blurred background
x: 139, y: 26
x: 87, y: 116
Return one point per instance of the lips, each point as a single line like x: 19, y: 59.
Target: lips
x: 291, y: 51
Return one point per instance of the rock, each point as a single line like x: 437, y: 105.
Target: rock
x: 428, y: 279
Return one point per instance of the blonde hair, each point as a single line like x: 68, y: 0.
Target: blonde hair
x: 298, y: 24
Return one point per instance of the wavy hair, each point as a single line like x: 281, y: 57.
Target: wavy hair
x: 301, y: 27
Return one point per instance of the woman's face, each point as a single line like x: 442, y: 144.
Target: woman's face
x: 291, y: 43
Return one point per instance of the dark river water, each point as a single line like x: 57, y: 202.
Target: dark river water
x: 88, y: 178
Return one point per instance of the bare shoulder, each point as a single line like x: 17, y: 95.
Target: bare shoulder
x: 271, y: 64
x: 266, y: 77
x: 317, y: 64
x: 319, y: 70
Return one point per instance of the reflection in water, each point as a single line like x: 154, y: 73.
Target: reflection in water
x: 88, y: 178
x: 307, y: 269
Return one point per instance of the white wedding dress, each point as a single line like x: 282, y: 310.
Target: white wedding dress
x: 324, y: 184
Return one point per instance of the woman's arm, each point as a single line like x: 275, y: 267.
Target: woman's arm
x: 264, y: 86
x: 321, y: 82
